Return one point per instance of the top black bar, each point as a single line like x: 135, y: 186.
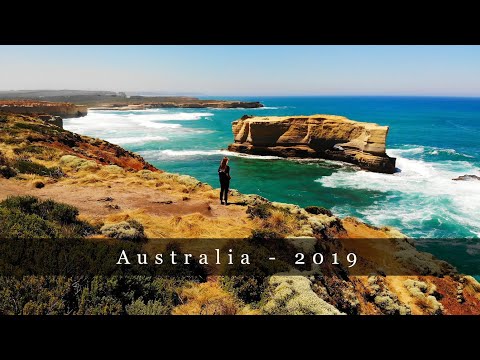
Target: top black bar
x: 245, y: 26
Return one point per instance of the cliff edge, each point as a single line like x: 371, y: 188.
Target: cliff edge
x: 315, y: 136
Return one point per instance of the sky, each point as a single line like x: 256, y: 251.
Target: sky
x: 246, y: 70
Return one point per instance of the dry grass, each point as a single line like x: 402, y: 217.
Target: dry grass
x: 84, y: 172
x: 281, y: 222
x: 187, y: 226
x: 210, y: 299
x: 472, y: 285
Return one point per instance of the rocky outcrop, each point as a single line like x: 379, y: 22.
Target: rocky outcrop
x: 315, y: 136
x: 64, y: 110
x: 51, y: 119
x: 467, y: 177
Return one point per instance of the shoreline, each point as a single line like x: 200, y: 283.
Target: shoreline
x: 220, y: 104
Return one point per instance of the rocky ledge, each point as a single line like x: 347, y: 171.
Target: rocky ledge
x: 316, y: 136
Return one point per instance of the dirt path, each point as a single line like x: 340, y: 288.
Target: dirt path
x: 100, y: 201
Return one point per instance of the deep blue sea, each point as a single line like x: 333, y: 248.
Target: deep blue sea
x: 434, y: 140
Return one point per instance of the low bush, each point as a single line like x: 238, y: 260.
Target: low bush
x: 293, y: 295
x: 29, y: 167
x: 31, y: 149
x: 126, y: 230
x: 249, y: 289
x: 48, y: 209
x: 7, y: 171
x: 261, y: 211
x: 29, y: 217
x: 87, y: 295
x: 38, y: 128
x: 77, y: 163
x: 18, y: 225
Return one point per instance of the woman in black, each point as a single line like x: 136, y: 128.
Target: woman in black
x: 224, y: 175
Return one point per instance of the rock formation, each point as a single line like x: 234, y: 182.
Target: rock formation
x: 467, y: 177
x: 315, y: 136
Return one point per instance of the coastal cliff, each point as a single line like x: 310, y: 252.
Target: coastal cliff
x: 64, y: 110
x: 315, y: 136
x: 120, y: 197
x: 142, y: 104
x: 120, y: 101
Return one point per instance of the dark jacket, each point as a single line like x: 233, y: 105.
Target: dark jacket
x: 224, y: 175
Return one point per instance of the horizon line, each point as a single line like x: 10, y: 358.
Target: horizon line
x: 163, y: 93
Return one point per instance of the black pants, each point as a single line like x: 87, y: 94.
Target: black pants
x: 224, y: 185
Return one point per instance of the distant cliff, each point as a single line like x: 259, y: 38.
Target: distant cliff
x: 64, y: 110
x: 142, y: 104
x: 316, y: 136
x: 120, y: 101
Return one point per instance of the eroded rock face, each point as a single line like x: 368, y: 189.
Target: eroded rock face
x: 316, y: 136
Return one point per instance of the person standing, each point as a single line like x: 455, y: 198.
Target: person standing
x: 224, y: 176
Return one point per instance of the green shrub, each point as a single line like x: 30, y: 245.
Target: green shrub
x: 125, y: 230
x: 248, y: 283
x: 29, y: 167
x: 42, y: 129
x: 249, y: 289
x: 60, y: 295
x: 7, y: 171
x: 31, y: 149
x: 35, y: 218
x: 18, y: 225
x: 47, y: 210
x: 317, y: 210
x: 261, y: 211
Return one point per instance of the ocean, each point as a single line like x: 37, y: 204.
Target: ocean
x: 434, y: 140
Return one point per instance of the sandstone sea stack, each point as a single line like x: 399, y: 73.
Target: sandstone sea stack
x: 316, y: 136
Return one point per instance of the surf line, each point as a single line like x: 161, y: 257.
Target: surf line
x: 175, y: 258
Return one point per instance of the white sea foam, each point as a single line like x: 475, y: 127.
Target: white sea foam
x: 427, y: 188
x: 116, y: 126
x: 428, y: 150
x: 136, y: 139
x: 162, y: 154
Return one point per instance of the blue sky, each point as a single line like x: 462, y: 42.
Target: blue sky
x: 246, y: 70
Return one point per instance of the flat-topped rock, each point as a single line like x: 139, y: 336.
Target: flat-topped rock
x: 315, y: 136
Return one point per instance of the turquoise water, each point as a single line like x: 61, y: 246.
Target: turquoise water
x: 434, y: 140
